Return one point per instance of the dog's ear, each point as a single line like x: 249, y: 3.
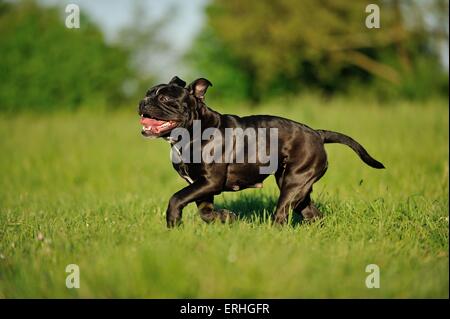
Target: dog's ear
x: 199, y: 87
x: 176, y: 80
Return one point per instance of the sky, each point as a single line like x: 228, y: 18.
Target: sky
x: 113, y: 15
x: 186, y: 22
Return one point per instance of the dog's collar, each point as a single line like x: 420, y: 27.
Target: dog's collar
x: 170, y: 139
x: 183, y: 168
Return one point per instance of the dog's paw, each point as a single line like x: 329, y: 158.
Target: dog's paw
x: 226, y: 216
x: 279, y: 220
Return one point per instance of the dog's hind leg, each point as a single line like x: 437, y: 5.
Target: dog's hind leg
x: 307, y: 210
x: 209, y: 214
x: 294, y: 190
x: 295, y: 183
x: 300, y: 203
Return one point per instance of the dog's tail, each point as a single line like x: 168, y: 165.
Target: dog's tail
x: 335, y: 137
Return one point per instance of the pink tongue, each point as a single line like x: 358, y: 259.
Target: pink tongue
x: 151, y: 122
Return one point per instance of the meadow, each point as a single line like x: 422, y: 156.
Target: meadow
x: 85, y: 188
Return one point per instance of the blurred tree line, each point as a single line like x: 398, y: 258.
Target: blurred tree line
x: 249, y: 49
x: 256, y: 49
x: 44, y: 65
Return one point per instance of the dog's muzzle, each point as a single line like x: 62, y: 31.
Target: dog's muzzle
x: 154, y: 127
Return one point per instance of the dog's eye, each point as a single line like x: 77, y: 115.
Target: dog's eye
x: 163, y: 98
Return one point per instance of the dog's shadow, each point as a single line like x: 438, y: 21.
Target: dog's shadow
x: 254, y: 208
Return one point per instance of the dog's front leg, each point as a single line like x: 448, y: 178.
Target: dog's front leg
x: 195, y: 191
x: 209, y: 214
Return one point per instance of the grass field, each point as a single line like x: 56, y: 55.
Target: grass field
x: 87, y: 189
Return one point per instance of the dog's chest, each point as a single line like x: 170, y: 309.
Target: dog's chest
x: 183, y: 171
x: 237, y: 176
x: 181, y: 167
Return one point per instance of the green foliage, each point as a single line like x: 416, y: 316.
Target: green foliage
x: 286, y: 47
x: 99, y: 202
x: 432, y: 80
x: 46, y: 66
x: 214, y: 61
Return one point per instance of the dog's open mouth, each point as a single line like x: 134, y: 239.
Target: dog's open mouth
x: 155, y: 127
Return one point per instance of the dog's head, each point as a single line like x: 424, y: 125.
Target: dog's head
x: 171, y: 105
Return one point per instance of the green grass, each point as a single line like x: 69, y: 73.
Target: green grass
x: 86, y: 188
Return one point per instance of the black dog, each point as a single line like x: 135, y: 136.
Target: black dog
x: 300, y: 151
